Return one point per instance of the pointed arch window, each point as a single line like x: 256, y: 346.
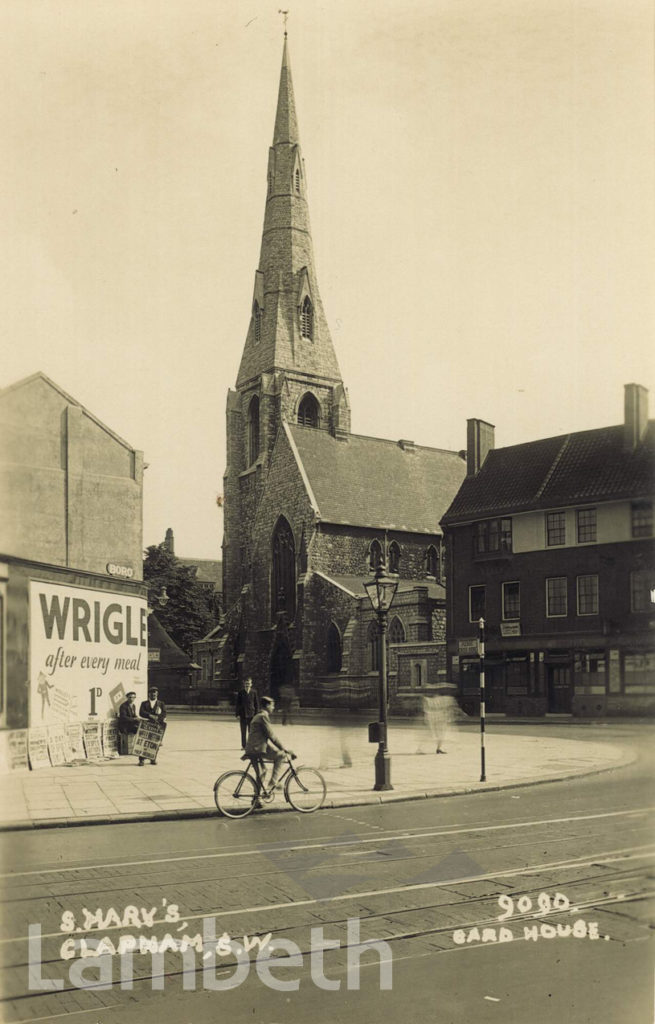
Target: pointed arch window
x: 253, y: 430
x: 307, y: 318
x: 333, y: 648
x: 283, y: 578
x: 394, y: 557
x: 309, y: 412
x: 396, y: 631
x: 373, y: 638
x: 296, y: 179
x: 432, y: 561
x: 257, y: 321
x: 374, y: 554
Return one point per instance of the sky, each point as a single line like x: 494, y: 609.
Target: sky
x: 481, y: 191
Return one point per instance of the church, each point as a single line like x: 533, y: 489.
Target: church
x: 311, y: 509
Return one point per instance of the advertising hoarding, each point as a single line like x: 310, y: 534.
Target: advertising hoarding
x: 87, y: 649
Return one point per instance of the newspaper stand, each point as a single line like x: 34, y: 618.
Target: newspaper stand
x: 147, y: 740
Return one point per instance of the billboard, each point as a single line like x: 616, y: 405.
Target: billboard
x: 87, y: 649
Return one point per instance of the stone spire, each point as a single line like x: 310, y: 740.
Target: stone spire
x: 288, y: 330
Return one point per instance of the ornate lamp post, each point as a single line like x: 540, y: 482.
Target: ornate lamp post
x: 381, y: 591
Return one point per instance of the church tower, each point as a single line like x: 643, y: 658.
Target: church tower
x: 289, y: 369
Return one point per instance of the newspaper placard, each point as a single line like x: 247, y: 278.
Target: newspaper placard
x: 37, y: 748
x: 75, y: 743
x: 110, y: 737
x: 148, y: 739
x: 57, y: 744
x: 13, y: 750
x: 92, y: 743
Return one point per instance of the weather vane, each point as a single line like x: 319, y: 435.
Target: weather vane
x: 285, y: 14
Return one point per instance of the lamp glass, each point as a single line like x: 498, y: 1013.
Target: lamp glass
x: 381, y: 590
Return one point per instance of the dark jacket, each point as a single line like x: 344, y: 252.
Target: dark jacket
x: 126, y: 711
x: 247, y: 704
x: 156, y: 714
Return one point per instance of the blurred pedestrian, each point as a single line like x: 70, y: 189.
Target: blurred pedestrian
x: 439, y: 713
x: 247, y: 706
x: 287, y: 694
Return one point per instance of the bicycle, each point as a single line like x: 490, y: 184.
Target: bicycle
x: 237, y: 793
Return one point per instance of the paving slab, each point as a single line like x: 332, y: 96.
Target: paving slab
x: 200, y: 747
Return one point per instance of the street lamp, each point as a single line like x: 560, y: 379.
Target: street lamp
x: 381, y: 591
x: 159, y: 600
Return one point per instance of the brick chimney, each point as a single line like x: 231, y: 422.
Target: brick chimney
x: 479, y: 442
x: 169, y: 542
x: 635, y: 419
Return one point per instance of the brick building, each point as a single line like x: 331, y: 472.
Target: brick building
x: 311, y: 508
x: 73, y: 607
x: 551, y: 542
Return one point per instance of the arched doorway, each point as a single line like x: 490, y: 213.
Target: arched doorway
x: 281, y: 669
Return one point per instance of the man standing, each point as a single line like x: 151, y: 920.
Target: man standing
x: 247, y: 706
x: 264, y: 744
x: 153, y: 710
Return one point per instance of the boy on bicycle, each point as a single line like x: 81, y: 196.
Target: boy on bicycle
x: 264, y: 744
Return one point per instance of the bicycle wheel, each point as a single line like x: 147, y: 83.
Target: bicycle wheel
x: 235, y: 794
x: 305, y: 790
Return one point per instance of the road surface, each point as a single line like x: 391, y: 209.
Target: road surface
x: 518, y: 905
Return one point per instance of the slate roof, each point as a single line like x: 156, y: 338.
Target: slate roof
x: 170, y: 654
x: 588, y: 466
x: 207, y: 570
x: 355, y: 584
x: 367, y: 481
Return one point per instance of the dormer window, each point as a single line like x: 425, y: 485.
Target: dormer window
x: 307, y: 318
x: 257, y: 321
x: 296, y: 179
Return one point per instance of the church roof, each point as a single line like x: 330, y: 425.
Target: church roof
x: 367, y: 481
x: 355, y: 585
x: 586, y: 466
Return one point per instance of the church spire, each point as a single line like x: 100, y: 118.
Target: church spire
x: 286, y: 122
x: 288, y: 330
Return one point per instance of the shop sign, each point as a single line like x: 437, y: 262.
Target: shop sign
x: 85, y: 645
x: 469, y: 646
x: 154, y: 654
x: 510, y: 629
x: 126, y: 572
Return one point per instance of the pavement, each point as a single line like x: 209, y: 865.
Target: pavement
x: 199, y: 747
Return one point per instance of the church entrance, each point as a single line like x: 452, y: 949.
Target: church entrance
x: 281, y: 670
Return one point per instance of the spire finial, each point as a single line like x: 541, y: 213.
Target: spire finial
x: 285, y: 15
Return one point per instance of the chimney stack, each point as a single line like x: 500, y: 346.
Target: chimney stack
x: 479, y: 442
x: 169, y: 542
x: 635, y: 419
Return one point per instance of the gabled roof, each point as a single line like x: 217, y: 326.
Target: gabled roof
x: 42, y: 377
x: 588, y: 466
x: 159, y: 637
x: 366, y: 481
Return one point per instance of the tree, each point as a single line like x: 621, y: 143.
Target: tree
x: 190, y: 611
